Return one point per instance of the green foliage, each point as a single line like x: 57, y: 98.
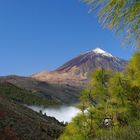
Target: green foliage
x: 130, y: 132
x: 119, y: 15
x: 99, y: 84
x: 23, y: 96
x: 133, y: 72
x: 133, y: 69
x: 110, y: 106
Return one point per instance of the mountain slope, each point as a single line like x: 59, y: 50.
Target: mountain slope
x: 77, y: 71
x: 18, y: 122
x: 53, y: 93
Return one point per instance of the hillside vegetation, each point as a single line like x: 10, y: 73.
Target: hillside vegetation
x: 23, y: 96
x: 18, y: 122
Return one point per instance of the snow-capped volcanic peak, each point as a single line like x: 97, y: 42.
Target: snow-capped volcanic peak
x: 102, y: 52
x: 77, y: 71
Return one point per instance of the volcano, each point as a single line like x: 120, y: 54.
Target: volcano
x: 78, y: 70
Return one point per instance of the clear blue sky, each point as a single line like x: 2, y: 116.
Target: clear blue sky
x: 38, y: 35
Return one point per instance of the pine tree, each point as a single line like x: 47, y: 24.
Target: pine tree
x: 133, y: 72
x: 107, y: 109
x: 120, y: 16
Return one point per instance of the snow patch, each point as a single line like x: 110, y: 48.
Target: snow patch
x: 100, y: 51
